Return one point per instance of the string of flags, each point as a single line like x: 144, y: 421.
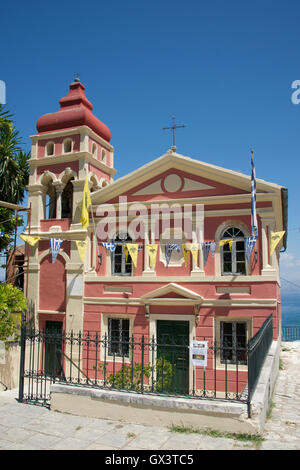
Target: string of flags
x: 133, y: 249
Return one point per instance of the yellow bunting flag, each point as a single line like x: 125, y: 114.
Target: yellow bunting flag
x: 152, y: 252
x: 133, y: 249
x: 81, y: 247
x: 30, y: 239
x: 185, y: 251
x: 125, y: 249
x: 228, y: 240
x: 86, y: 203
x: 193, y: 248
x: 275, y: 239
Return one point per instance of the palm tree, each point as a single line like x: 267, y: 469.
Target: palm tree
x: 14, y: 163
x: 14, y: 174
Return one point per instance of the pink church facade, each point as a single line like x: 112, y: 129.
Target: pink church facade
x: 174, y: 199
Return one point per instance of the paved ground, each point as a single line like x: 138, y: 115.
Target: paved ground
x: 28, y: 427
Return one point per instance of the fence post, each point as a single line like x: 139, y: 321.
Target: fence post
x: 22, y: 357
x: 249, y: 381
x: 142, y: 371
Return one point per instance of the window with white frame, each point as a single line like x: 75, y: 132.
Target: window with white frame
x: 49, y: 149
x: 118, y: 337
x: 233, y: 256
x: 121, y: 264
x: 67, y: 146
x: 94, y: 149
x: 233, y: 342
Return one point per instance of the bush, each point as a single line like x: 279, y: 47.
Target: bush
x: 129, y: 377
x: 12, y: 300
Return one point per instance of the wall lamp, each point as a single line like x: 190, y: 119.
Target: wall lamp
x: 197, y: 313
x: 147, y: 309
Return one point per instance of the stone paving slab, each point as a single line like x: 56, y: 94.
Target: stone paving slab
x: 29, y: 427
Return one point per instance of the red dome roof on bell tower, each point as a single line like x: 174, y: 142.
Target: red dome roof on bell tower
x: 75, y: 110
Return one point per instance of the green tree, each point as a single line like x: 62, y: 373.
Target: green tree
x: 12, y: 300
x: 14, y: 175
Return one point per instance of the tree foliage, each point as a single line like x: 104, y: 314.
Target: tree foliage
x: 14, y: 175
x: 12, y: 300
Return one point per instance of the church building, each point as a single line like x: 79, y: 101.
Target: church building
x: 165, y: 250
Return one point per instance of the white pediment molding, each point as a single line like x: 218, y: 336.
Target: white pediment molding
x: 157, y: 295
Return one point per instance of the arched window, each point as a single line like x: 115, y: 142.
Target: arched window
x: 50, y: 201
x: 67, y: 200
x: 103, y: 155
x: 49, y: 149
x: 121, y: 266
x: 233, y: 258
x: 94, y: 149
x: 67, y: 145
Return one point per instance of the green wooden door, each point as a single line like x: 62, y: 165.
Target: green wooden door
x: 172, y: 363
x: 53, y: 348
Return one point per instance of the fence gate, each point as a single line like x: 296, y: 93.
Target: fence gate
x: 41, y: 363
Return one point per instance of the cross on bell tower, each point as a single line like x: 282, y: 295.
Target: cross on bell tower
x: 173, y: 127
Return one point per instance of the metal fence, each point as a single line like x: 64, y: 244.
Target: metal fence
x: 290, y: 333
x: 139, y: 364
x: 258, y: 348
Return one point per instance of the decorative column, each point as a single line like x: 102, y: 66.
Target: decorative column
x: 59, y: 187
x: 197, y: 267
x: 267, y: 225
x: 148, y: 270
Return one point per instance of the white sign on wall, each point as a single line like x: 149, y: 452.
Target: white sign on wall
x: 198, y: 353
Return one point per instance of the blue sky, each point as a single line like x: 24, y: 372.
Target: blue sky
x: 224, y: 69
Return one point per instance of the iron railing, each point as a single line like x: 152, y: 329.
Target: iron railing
x: 290, y: 333
x: 258, y: 347
x: 139, y: 364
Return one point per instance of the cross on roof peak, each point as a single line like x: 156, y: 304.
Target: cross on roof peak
x: 173, y: 127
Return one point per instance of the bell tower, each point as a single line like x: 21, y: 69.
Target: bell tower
x: 69, y: 145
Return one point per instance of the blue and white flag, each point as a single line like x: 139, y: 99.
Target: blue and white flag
x: 55, y: 247
x: 110, y: 246
x: 169, y: 249
x: 206, y: 246
x: 249, y: 244
x: 213, y: 248
x: 254, y: 229
x: 205, y: 249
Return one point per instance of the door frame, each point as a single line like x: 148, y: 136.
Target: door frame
x: 154, y: 317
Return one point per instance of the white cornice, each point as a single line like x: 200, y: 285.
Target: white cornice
x: 71, y: 157
x: 249, y: 303
x: 72, y: 131
x: 198, y: 279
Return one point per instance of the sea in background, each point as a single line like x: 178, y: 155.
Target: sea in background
x: 290, y: 308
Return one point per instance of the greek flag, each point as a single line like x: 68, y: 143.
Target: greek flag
x: 169, y: 249
x: 254, y: 229
x: 249, y: 244
x: 55, y: 247
x: 212, y: 248
x: 110, y: 246
x: 205, y: 248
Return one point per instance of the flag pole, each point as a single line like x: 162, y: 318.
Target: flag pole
x: 95, y: 237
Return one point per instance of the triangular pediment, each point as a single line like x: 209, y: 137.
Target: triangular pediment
x: 169, y: 290
x: 175, y: 175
